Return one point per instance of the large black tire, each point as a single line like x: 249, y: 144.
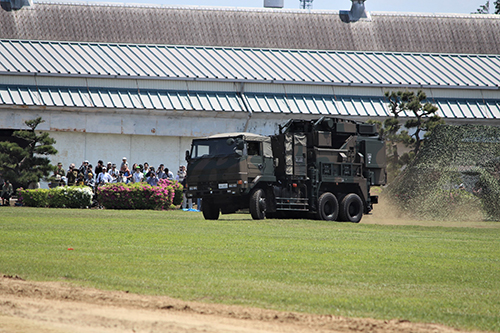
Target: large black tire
x: 328, y: 207
x: 351, y: 208
x: 258, y: 204
x: 210, y: 210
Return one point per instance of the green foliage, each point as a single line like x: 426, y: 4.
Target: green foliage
x: 23, y: 166
x: 455, y: 176
x: 485, y: 9
x: 422, y: 122
x: 423, y: 118
x: 488, y: 189
x: 421, y: 274
x: 33, y: 198
x: 59, y: 197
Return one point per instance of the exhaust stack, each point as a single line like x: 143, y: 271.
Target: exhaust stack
x: 273, y: 3
x: 358, y: 12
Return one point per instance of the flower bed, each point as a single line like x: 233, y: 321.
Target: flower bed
x: 140, y: 195
x: 59, y: 197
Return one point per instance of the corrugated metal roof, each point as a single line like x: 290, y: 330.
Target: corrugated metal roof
x: 247, y: 64
x: 218, y: 101
x: 366, y: 106
x: 260, y: 28
x: 119, y: 98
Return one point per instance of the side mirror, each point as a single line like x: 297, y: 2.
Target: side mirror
x: 240, y: 144
x: 188, y: 156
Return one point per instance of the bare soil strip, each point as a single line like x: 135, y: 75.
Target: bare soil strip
x: 54, y: 307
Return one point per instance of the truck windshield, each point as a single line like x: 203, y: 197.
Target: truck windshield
x: 213, y: 147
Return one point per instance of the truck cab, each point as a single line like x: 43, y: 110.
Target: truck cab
x: 223, y: 169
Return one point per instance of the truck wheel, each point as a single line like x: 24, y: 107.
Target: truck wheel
x: 210, y: 211
x: 258, y: 205
x: 328, y: 207
x: 351, y: 208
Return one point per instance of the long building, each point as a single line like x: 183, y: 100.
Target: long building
x: 142, y: 81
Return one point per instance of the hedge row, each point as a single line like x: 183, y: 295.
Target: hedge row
x: 59, y: 197
x: 165, y: 195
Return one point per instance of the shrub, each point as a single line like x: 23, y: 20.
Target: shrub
x: 139, y: 195
x: 33, y: 198
x: 70, y: 197
x: 178, y: 189
x: 59, y: 197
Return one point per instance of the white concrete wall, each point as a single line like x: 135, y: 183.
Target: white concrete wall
x: 76, y: 147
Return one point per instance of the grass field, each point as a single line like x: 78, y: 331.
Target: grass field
x: 435, y: 274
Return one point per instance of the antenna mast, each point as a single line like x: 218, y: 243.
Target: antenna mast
x: 306, y: 4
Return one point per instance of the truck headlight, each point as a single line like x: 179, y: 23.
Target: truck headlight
x: 193, y: 188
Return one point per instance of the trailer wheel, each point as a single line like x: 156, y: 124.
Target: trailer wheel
x: 258, y: 205
x: 351, y: 208
x: 328, y: 207
x: 210, y: 210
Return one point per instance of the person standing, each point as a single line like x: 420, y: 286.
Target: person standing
x: 98, y: 168
x: 181, y: 178
x: 124, y: 162
x: 181, y: 174
x: 127, y: 175
x: 84, y: 167
x: 138, y: 176
x: 104, y: 177
x: 115, y: 173
x: 146, y: 169
x: 72, y: 175
x: 152, y: 178
x: 161, y: 172
x: 59, y: 176
x: 89, y: 179
x: 170, y: 174
x: 7, y: 191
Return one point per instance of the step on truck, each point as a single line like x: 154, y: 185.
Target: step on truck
x: 321, y: 169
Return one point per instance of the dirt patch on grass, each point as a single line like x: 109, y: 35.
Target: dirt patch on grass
x: 53, y: 307
x: 385, y: 213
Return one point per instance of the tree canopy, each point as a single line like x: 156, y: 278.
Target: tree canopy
x: 28, y: 163
x: 485, y: 9
x: 422, y: 119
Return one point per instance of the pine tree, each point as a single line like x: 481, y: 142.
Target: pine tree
x: 22, y: 166
x: 483, y: 9
x: 421, y: 124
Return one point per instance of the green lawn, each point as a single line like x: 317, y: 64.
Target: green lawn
x: 433, y: 274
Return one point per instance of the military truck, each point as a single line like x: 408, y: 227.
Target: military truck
x: 321, y: 168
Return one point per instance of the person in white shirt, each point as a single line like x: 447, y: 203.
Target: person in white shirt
x: 181, y: 174
x: 114, y: 172
x: 138, y: 175
x: 170, y: 174
x: 104, y: 177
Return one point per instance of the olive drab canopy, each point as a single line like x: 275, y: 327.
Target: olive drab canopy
x: 266, y: 141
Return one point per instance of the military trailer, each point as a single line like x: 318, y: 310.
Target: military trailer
x: 320, y: 169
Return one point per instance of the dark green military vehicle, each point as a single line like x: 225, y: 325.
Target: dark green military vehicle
x: 313, y: 168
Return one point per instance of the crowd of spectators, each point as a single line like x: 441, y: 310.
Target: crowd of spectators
x: 87, y: 175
